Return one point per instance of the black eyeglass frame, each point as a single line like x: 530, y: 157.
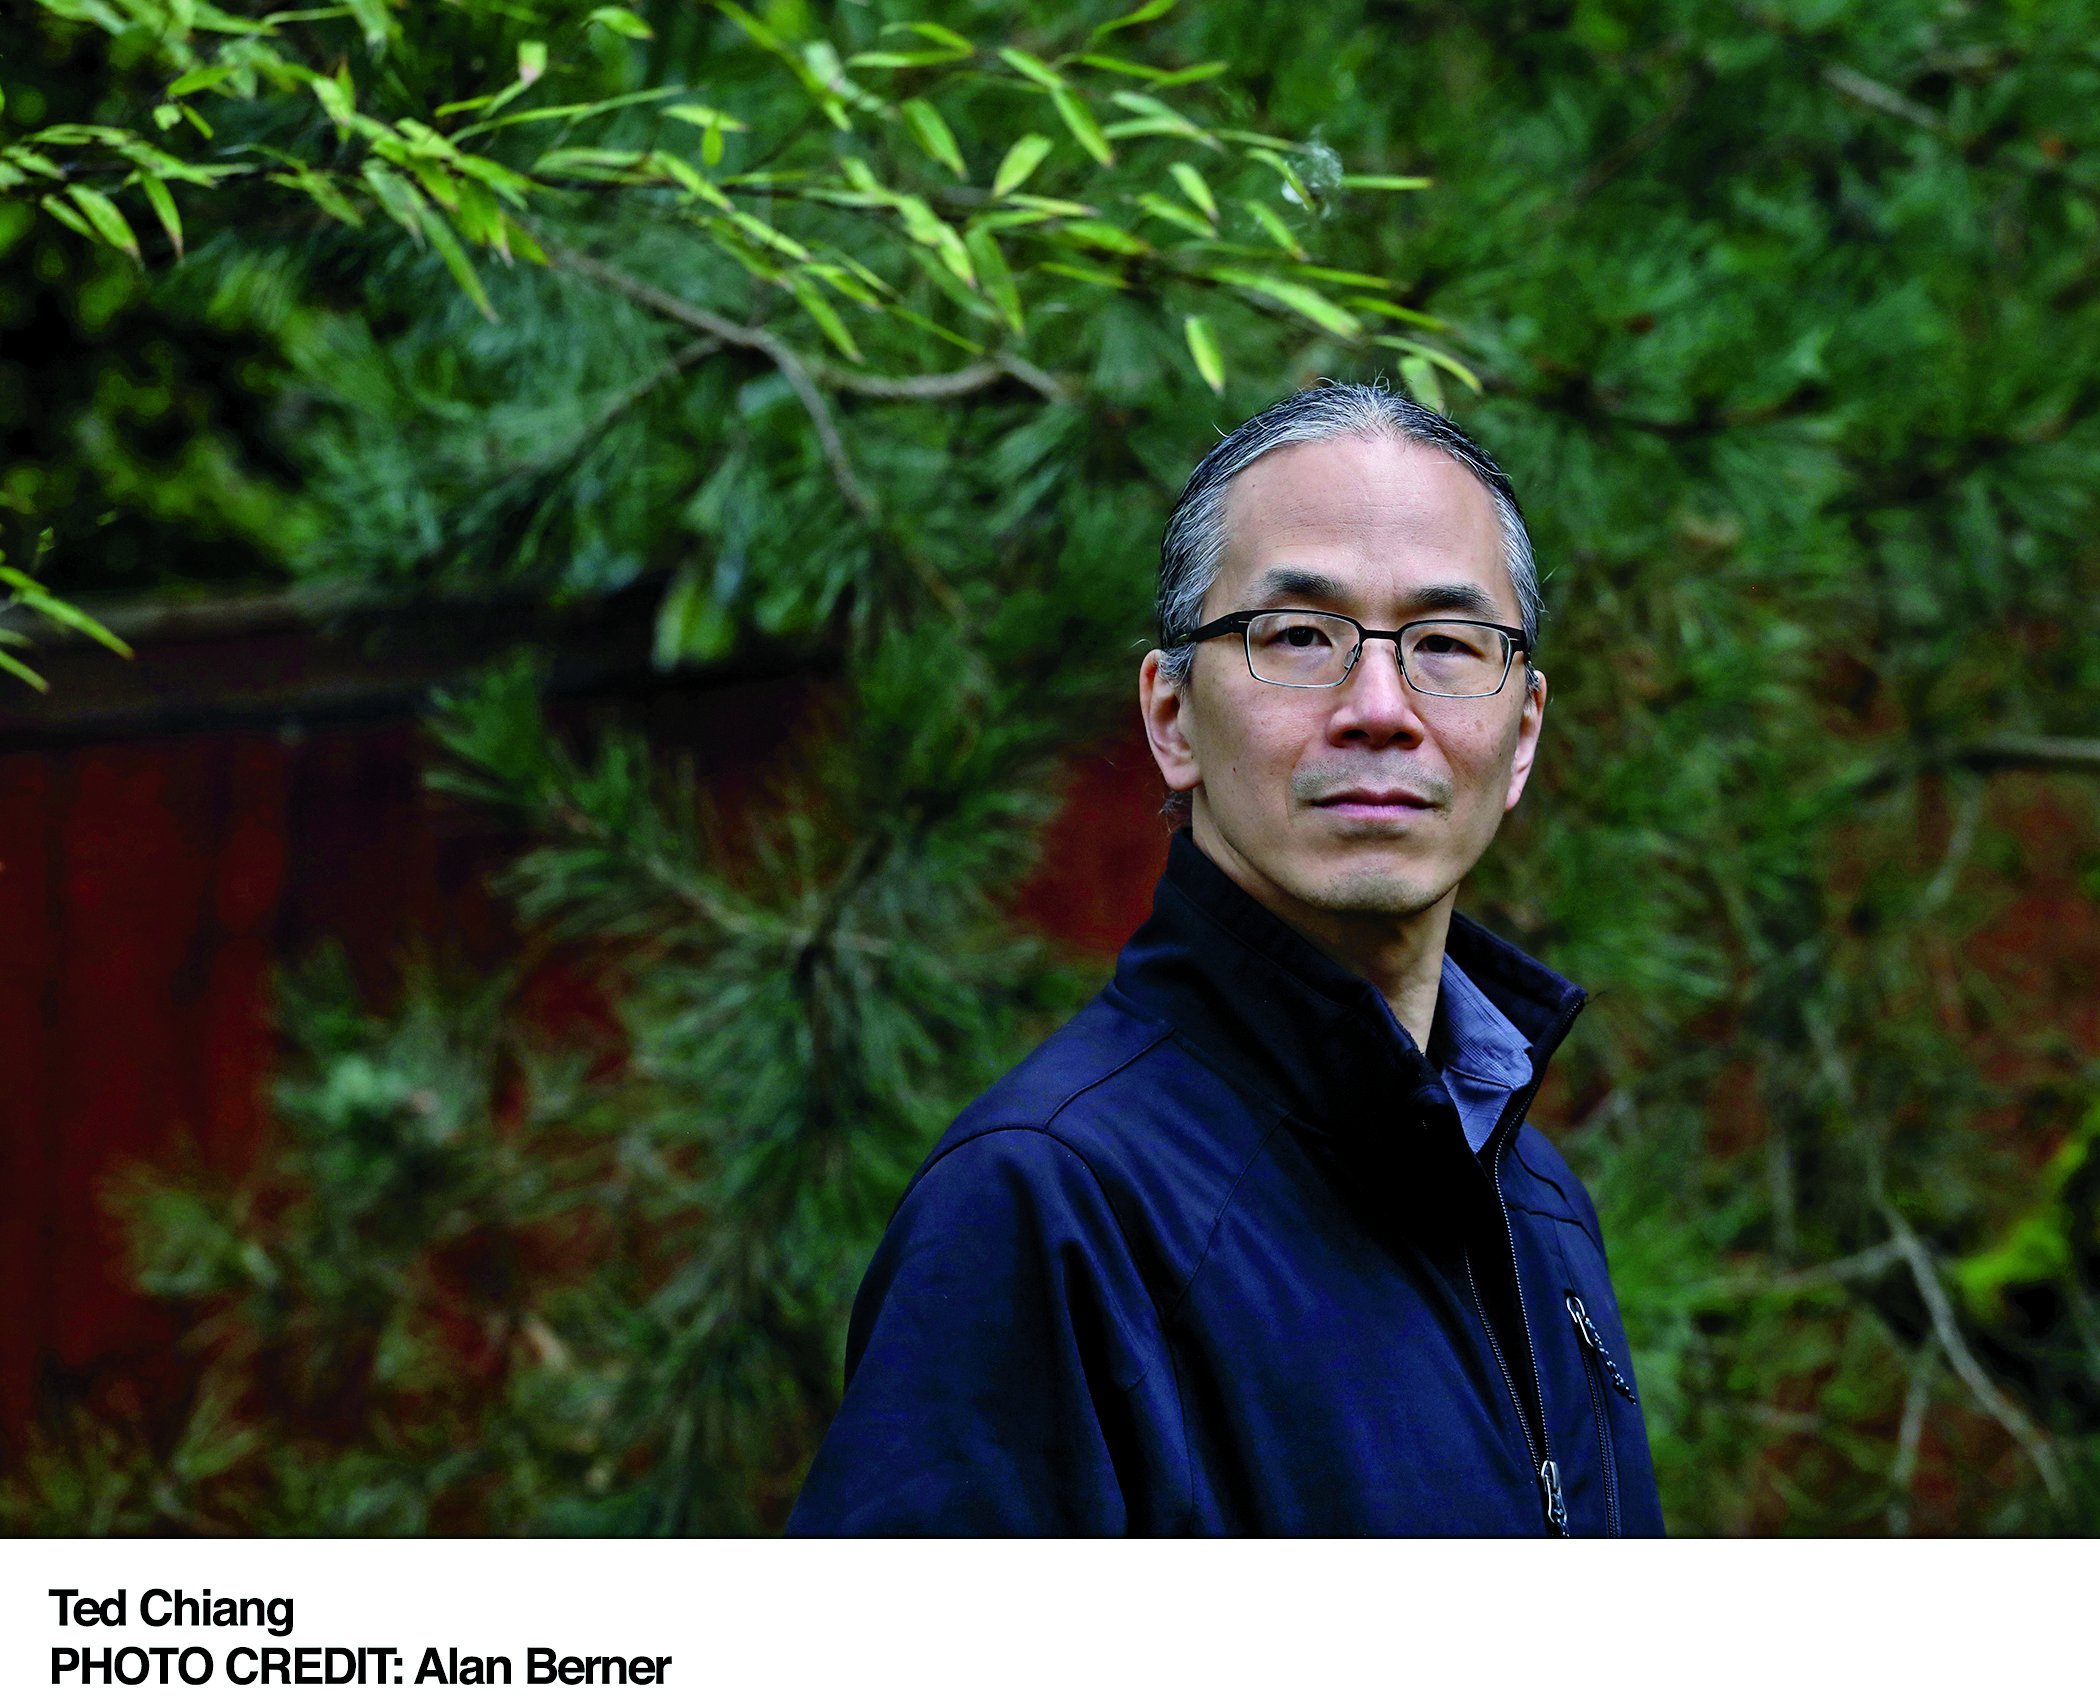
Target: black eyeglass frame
x: 1241, y: 620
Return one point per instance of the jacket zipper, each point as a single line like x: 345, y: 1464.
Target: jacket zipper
x: 1600, y: 1402
x: 1542, y: 1464
x: 1550, y: 1497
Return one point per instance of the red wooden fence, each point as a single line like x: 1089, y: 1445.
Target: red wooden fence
x: 148, y: 887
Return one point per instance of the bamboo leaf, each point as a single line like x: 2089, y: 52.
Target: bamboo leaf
x: 1121, y: 67
x: 398, y: 196
x: 1052, y: 206
x: 1272, y: 222
x: 480, y: 219
x: 911, y: 317
x: 68, y: 217
x: 1422, y: 381
x: 375, y: 20
x: 323, y: 192
x: 164, y: 208
x: 769, y: 235
x: 1084, y: 274
x: 1335, y: 275
x: 1203, y: 346
x: 1099, y: 234
x: 1457, y: 369
x: 513, y: 187
x: 53, y: 609
x: 1393, y: 311
x: 446, y: 243
x: 880, y: 60
x: 1193, y: 186
x: 1020, y: 163
x: 994, y: 277
x: 204, y: 77
x: 21, y: 671
x: 931, y: 132
x: 1193, y: 74
x: 811, y: 296
x: 1174, y: 214
x: 1285, y: 170
x: 1300, y: 298
x: 940, y: 33
x: 1130, y: 20
x: 1164, y: 119
x: 523, y: 244
x: 622, y: 23
x: 1032, y: 68
x: 575, y: 110
x: 1080, y: 122
x: 532, y: 62
x: 109, y: 224
x: 1357, y: 181
x: 689, y: 178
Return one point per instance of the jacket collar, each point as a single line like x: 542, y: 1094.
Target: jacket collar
x: 1276, y: 1015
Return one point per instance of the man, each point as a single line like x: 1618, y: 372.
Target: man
x: 1259, y: 1243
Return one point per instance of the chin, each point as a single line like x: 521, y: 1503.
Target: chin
x: 1381, y: 887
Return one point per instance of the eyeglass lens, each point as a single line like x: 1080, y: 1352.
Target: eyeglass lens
x: 1458, y: 660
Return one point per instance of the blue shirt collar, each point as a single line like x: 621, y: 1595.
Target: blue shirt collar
x: 1482, y: 1058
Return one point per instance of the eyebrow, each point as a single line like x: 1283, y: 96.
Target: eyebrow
x: 1274, y: 585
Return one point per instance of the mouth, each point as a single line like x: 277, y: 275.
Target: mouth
x: 1375, y: 805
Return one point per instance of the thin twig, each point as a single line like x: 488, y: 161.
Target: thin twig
x: 2000, y: 1408
x: 1905, y: 1468
x: 1863, y: 1265
x: 1882, y: 98
x: 1967, y: 815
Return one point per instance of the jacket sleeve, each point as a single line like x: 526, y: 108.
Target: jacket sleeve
x: 992, y: 1345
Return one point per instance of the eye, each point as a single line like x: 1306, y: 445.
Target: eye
x: 1302, y: 636
x: 1447, y: 643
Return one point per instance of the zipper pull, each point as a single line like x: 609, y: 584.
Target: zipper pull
x: 1595, y: 1340
x: 1549, y: 1491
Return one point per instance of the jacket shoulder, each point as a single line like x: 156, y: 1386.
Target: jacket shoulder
x: 1164, y: 1134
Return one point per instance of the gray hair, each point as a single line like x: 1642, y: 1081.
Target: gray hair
x: 1194, y: 545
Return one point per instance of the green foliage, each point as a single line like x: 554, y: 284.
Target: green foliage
x: 885, y: 339
x: 26, y: 593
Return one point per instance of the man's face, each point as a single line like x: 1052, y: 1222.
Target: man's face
x: 1369, y: 797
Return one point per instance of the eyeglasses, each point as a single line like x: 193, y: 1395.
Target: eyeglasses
x: 1315, y: 648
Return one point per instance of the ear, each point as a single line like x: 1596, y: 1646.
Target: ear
x: 1528, y: 726
x: 1164, y: 705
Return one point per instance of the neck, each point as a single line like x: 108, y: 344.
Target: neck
x: 1399, y: 955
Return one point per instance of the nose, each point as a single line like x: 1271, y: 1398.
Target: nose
x: 1376, y: 707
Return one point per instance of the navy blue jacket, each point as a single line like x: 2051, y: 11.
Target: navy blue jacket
x: 1217, y: 1259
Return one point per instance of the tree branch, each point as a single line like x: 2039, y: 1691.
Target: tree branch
x: 2028, y: 752
x: 935, y: 386
x: 1988, y: 754
x: 792, y: 367
x: 2000, y: 1408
